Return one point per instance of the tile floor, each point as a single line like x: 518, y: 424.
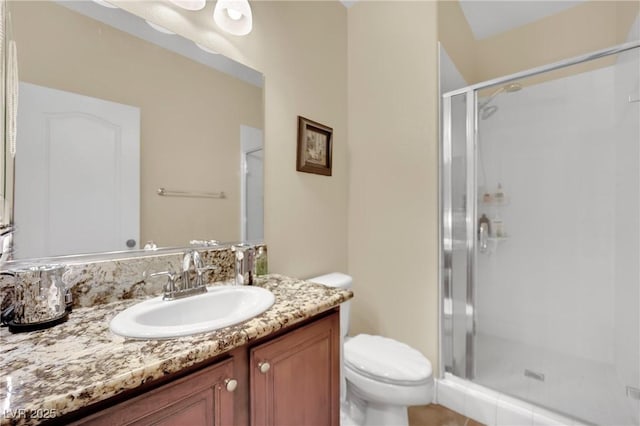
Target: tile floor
x: 583, y: 388
x: 437, y: 415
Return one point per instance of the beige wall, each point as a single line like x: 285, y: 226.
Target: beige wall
x: 190, y: 114
x: 393, y: 139
x: 387, y: 170
x: 457, y: 38
x: 584, y: 28
x: 301, y: 49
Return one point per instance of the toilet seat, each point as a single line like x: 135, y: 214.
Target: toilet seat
x: 386, y: 360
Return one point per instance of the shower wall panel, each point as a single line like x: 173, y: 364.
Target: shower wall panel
x: 550, y: 284
x: 627, y: 221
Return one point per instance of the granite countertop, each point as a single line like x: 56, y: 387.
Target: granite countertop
x: 49, y: 373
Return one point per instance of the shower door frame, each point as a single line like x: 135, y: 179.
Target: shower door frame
x: 446, y: 208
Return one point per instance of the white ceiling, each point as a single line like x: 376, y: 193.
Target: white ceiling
x: 488, y: 18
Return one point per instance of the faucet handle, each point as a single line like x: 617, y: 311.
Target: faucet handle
x: 187, y: 260
x: 201, y: 271
x: 170, y: 274
x: 197, y: 260
x: 172, y: 277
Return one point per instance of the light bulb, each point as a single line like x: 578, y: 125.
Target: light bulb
x: 234, y: 14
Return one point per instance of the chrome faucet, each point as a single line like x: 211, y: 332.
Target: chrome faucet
x: 191, y: 264
x: 190, y: 259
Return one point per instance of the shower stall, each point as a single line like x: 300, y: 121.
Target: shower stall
x: 540, y: 236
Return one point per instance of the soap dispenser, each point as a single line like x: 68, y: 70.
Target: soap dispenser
x: 262, y: 267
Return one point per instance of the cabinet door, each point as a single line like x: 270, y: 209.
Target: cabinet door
x: 295, y: 379
x: 202, y: 398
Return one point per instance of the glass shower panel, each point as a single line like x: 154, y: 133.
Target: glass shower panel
x: 557, y: 278
x: 456, y: 321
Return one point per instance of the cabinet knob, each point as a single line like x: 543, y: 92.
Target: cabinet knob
x: 231, y: 384
x: 264, y: 367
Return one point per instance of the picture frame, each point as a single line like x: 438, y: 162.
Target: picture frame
x: 315, y: 142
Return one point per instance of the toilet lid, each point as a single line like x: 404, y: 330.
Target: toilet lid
x: 386, y: 359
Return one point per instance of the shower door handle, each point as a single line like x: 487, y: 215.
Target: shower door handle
x: 483, y: 237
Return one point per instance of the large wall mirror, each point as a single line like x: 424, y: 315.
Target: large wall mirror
x: 111, y: 111
x: 5, y: 191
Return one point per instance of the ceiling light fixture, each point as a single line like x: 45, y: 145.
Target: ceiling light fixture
x: 159, y: 28
x: 233, y: 16
x: 190, y: 4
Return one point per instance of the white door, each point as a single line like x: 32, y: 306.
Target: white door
x: 77, y: 174
x: 252, y: 184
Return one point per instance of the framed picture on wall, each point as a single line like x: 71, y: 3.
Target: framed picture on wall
x: 314, y: 147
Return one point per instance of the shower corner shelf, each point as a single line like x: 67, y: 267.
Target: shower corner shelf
x: 498, y: 239
x: 492, y: 244
x: 493, y: 241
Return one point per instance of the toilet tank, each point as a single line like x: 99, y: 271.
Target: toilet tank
x: 343, y: 281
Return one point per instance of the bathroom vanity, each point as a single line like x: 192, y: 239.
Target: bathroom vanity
x: 291, y: 379
x: 281, y: 367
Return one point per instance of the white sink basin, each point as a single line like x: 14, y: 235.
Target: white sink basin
x: 220, y: 307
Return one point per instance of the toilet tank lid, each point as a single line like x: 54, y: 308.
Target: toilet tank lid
x: 334, y: 279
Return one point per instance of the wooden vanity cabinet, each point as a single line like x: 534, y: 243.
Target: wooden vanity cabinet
x: 295, y: 378
x: 291, y: 379
x: 202, y: 398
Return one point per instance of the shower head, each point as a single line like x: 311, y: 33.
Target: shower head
x: 488, y: 111
x: 485, y: 110
x: 513, y: 87
x: 509, y: 88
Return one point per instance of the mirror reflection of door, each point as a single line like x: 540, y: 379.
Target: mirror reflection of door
x: 252, y: 167
x: 77, y: 174
x: 192, y: 104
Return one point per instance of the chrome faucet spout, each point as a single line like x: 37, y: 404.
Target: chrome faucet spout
x: 187, y: 262
x: 192, y: 266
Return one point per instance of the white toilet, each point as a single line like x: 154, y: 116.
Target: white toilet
x: 381, y: 377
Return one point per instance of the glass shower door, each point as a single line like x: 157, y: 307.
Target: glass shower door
x: 557, y: 291
x: 541, y: 280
